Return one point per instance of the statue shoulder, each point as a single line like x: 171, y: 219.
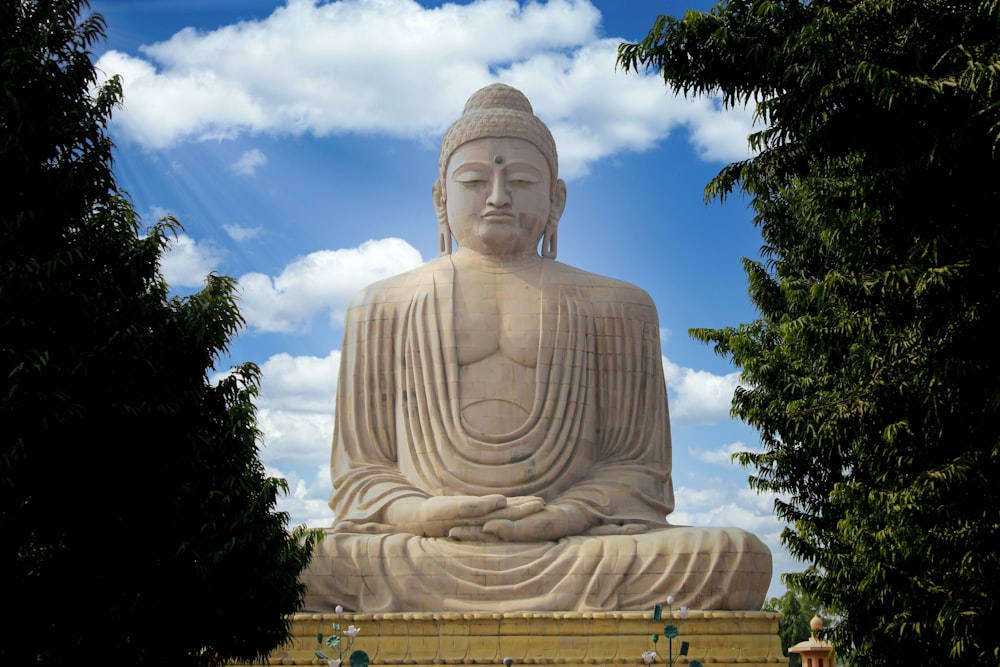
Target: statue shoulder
x: 402, y: 286
x: 602, y: 289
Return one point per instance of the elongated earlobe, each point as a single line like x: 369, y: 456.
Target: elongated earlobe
x: 444, y: 239
x: 550, y: 236
x: 444, y: 230
x: 549, y: 240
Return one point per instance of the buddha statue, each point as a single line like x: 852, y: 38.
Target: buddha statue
x: 502, y: 440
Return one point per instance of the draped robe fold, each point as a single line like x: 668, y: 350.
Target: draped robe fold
x: 597, y: 436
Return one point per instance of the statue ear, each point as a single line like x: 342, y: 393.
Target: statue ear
x: 550, y: 235
x: 444, y: 231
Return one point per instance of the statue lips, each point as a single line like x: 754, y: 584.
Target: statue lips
x: 499, y: 215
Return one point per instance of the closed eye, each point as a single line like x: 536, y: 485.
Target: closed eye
x: 523, y: 177
x: 470, y: 177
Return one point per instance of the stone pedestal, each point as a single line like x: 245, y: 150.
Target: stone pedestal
x: 573, y: 639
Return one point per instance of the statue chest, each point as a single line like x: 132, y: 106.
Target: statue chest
x: 497, y: 317
x: 498, y: 325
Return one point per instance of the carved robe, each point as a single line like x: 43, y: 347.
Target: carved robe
x: 596, y: 436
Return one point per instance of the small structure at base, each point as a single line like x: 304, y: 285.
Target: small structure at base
x: 815, y: 652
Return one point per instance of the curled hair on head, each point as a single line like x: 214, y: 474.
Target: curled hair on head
x: 498, y: 110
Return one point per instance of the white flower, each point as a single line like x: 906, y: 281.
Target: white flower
x: 339, y: 609
x: 334, y: 663
x: 352, y: 631
x: 670, y: 599
x: 684, y: 612
x: 648, y: 657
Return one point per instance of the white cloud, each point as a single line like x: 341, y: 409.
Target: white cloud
x: 295, y: 415
x: 295, y: 410
x: 698, y: 396
x: 720, y: 456
x: 719, y: 503
x: 394, y: 67
x: 306, y: 499
x: 239, y: 233
x: 186, y: 262
x: 321, y: 281
x: 295, y: 437
x: 248, y: 162
x: 721, y: 135
x: 300, y: 384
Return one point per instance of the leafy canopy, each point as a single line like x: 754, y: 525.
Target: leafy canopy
x: 872, y: 371
x: 138, y: 523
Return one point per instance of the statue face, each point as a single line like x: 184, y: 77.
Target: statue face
x: 497, y: 196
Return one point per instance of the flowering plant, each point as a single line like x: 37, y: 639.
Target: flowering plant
x: 671, y: 632
x: 357, y: 658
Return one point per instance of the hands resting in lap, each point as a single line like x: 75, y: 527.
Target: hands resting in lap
x: 490, y: 518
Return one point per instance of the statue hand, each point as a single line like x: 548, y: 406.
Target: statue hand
x: 550, y: 523
x: 438, y: 515
x: 517, y: 507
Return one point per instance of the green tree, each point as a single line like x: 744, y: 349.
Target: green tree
x: 793, y: 627
x: 872, y: 373
x: 138, y: 524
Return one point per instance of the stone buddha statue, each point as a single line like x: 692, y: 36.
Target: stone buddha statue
x: 502, y: 440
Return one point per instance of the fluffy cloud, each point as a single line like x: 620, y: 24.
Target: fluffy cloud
x: 293, y: 437
x: 321, y: 281
x: 295, y: 415
x: 248, y: 162
x: 394, y: 67
x: 698, y: 397
x: 305, y: 502
x: 721, y: 456
x: 186, y: 262
x: 302, y: 384
x: 295, y: 408
x: 239, y: 233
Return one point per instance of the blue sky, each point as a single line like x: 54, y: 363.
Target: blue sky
x: 296, y: 141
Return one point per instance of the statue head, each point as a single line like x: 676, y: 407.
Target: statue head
x: 502, y: 112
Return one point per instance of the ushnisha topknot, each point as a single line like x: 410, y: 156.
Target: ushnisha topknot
x: 499, y: 110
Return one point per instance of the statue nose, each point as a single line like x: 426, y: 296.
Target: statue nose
x: 499, y: 191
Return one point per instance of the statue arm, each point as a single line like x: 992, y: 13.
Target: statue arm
x: 364, y: 461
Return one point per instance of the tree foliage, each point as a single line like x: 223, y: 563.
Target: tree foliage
x: 138, y: 524
x: 872, y: 373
